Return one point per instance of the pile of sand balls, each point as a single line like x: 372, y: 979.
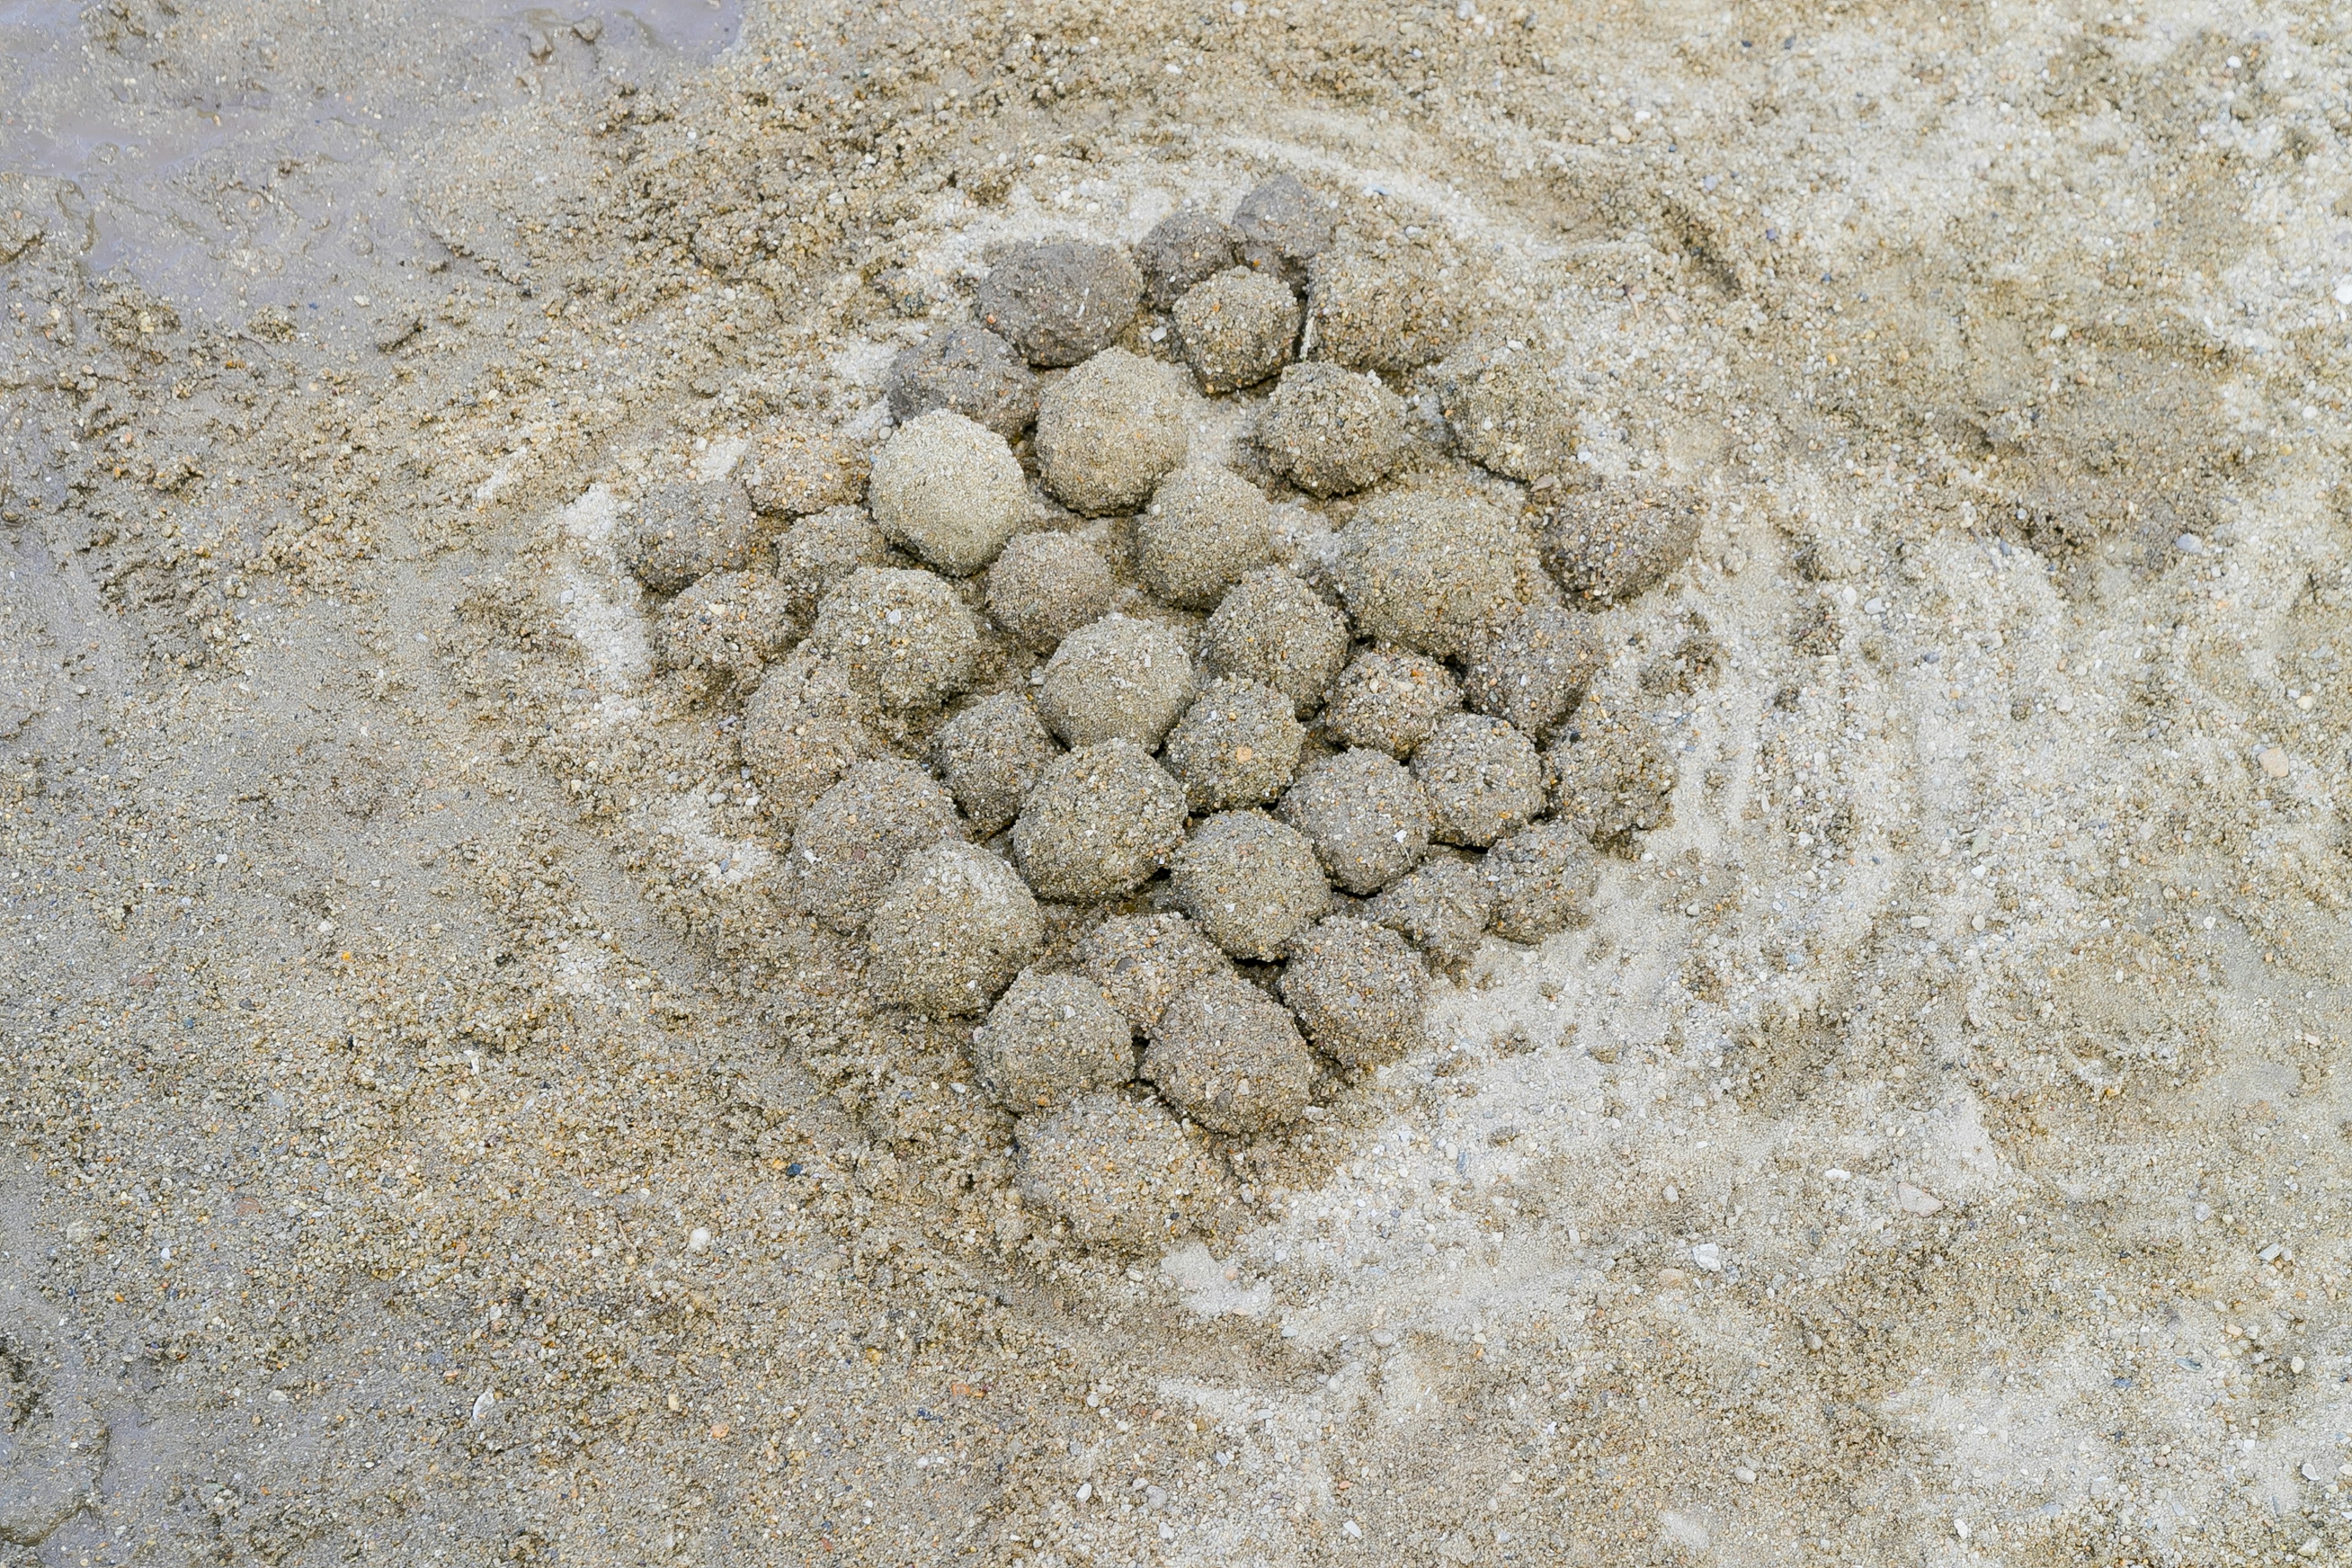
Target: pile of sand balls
x: 1060, y: 734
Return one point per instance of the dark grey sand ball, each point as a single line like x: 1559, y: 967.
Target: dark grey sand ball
x: 1532, y: 667
x: 1143, y: 961
x: 1108, y: 432
x: 902, y: 636
x: 950, y: 490
x: 1366, y: 815
x: 1610, y: 544
x: 1359, y: 989
x: 1614, y: 775
x: 1121, y: 1172
x: 1236, y: 329
x: 1430, y: 568
x: 1237, y: 746
x: 951, y: 931
x: 1543, y: 878
x: 1205, y: 527
x: 849, y: 846
x: 1271, y: 628
x: 1443, y: 906
x: 681, y: 531
x: 1230, y: 1056
x: 1043, y: 586
x: 1049, y: 1038
x: 1183, y: 249
x: 989, y: 756
x: 1249, y: 882
x: 1062, y: 303
x: 1331, y: 431
x: 1389, y: 699
x: 1483, y: 779
x: 1118, y: 677
x: 968, y: 370
x: 1283, y: 226
x: 1098, y: 823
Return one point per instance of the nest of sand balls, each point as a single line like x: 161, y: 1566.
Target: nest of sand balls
x: 1270, y: 802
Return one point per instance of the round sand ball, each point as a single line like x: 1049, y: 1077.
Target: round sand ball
x: 1532, y: 667
x: 1366, y: 815
x: 1372, y: 312
x: 1043, y: 586
x: 950, y: 490
x: 902, y: 637
x: 1510, y: 414
x: 966, y: 370
x: 1271, y: 628
x: 802, y: 730
x: 1063, y: 303
x: 1049, y: 1038
x: 682, y: 532
x: 1205, y: 527
x: 1359, y: 990
x: 1123, y: 1174
x: 1098, y: 823
x: 1144, y: 961
x: 1184, y: 249
x: 1117, y: 677
x: 990, y: 755
x: 1237, y: 329
x: 1443, y: 907
x: 797, y: 468
x: 848, y: 846
x: 1237, y: 746
x: 954, y: 927
x: 725, y: 627
x: 1249, y: 882
x: 1108, y: 433
x: 818, y: 551
x: 1613, y: 777
x: 1390, y: 701
x: 1331, y: 431
x: 1543, y: 879
x: 1610, y: 545
x: 1429, y: 569
x: 1230, y: 1056
x: 1283, y: 226
x: 1483, y: 779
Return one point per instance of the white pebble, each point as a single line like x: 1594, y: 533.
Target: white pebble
x: 699, y: 1241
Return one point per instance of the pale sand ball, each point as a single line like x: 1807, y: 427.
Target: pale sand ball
x: 1236, y: 329
x: 1378, y: 312
x: 817, y: 552
x: 726, y: 626
x: 795, y: 468
x: 1062, y: 303
x: 1271, y: 628
x: 1283, y: 226
x: 965, y: 369
x: 954, y: 927
x: 1122, y: 1172
x: 802, y: 730
x: 1610, y: 545
x: 1237, y: 746
x: 1359, y: 989
x: 1228, y: 1055
x: 1483, y: 779
x: 1249, y: 882
x: 1049, y: 1038
x: 1143, y: 961
x: 1205, y: 527
x: 682, y: 532
x: 1390, y: 701
x: 848, y: 847
x: 990, y: 756
x: 1118, y: 677
x: 1043, y: 586
x: 1443, y: 907
x: 1108, y: 432
x: 1184, y: 249
x: 902, y: 637
x: 1532, y: 667
x: 1511, y: 414
x: 1331, y: 431
x: 1430, y: 568
x: 1543, y: 879
x: 1098, y: 823
x: 1366, y: 815
x: 950, y: 490
x: 1614, y: 775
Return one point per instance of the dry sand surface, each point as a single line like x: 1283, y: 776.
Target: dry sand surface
x: 444, y: 1121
